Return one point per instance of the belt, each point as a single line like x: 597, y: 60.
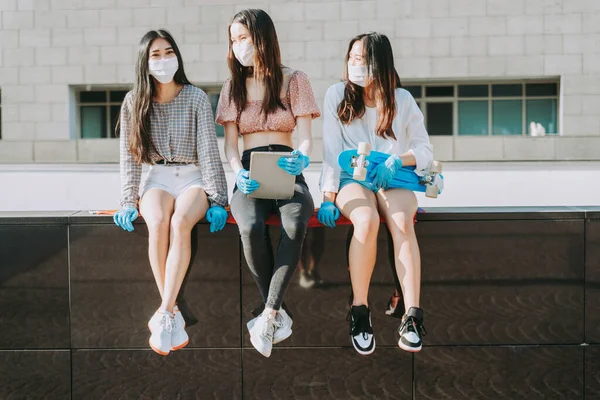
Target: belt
x: 165, y: 162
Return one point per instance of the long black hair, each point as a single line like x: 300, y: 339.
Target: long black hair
x: 379, y: 60
x: 140, y: 142
x: 267, y: 66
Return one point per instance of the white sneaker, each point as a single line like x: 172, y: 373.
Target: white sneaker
x: 283, y: 326
x: 179, y: 337
x: 160, y: 340
x: 153, y: 323
x: 261, y: 334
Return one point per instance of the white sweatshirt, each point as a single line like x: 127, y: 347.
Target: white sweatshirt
x: 411, y: 135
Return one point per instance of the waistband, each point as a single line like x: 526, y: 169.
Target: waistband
x: 171, y: 163
x: 271, y: 147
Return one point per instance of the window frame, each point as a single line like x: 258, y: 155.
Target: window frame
x: 423, y: 100
x: 107, y: 104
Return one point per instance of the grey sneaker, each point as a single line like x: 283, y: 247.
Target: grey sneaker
x: 261, y: 334
x: 283, y: 326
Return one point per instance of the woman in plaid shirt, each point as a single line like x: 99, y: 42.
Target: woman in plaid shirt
x: 264, y: 102
x: 167, y: 122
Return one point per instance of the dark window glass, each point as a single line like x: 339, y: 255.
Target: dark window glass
x: 439, y: 118
x: 439, y: 91
x: 416, y: 91
x: 115, y: 111
x: 92, y: 97
x: 507, y: 90
x: 473, y: 91
x: 541, y: 89
x: 117, y: 96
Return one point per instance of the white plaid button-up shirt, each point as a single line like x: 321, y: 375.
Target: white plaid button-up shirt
x: 182, y: 130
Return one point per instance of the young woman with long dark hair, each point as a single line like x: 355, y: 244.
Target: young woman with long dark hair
x: 168, y: 123
x: 264, y: 102
x: 370, y: 106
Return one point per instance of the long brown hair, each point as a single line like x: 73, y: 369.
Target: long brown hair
x: 267, y: 65
x: 379, y: 60
x: 141, y: 146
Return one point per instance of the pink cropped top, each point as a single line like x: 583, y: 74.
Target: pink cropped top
x: 299, y: 100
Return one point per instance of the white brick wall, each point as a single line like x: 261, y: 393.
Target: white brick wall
x: 48, y: 45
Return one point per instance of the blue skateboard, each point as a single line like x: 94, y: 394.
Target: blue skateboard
x: 360, y: 162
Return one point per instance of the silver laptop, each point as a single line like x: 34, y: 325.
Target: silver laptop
x: 274, y: 182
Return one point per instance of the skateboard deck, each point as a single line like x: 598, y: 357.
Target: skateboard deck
x: 406, y: 178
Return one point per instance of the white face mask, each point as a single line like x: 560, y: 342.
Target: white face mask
x: 163, y: 70
x: 358, y: 74
x: 244, y: 53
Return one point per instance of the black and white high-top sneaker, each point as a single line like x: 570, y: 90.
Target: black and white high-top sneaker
x: 411, y: 330
x: 361, y: 330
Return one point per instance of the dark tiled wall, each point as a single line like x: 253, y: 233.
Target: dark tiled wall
x: 509, y: 302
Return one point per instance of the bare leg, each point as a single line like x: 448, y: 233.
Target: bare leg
x: 190, y: 207
x: 359, y: 205
x: 156, y: 207
x: 398, y: 207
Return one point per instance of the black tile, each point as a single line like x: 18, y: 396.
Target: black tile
x: 35, y: 375
x: 502, y: 282
x: 592, y: 373
x: 501, y: 213
x: 145, y: 375
x: 319, y: 313
x: 34, y: 287
x: 592, y: 276
x: 465, y: 373
x: 114, y: 293
x: 327, y: 373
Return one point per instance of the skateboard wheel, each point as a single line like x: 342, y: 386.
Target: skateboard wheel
x: 364, y: 148
x: 431, y: 191
x: 436, y: 167
x: 360, y: 173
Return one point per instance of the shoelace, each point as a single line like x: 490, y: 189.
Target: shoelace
x: 167, y: 323
x: 360, y: 325
x: 413, y: 325
x: 267, y: 328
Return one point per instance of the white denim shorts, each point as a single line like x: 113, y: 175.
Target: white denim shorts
x: 173, y: 179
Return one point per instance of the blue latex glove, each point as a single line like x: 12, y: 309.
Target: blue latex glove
x: 244, y: 183
x: 125, y: 217
x: 217, y: 216
x: 294, y: 165
x: 328, y: 214
x: 383, y: 173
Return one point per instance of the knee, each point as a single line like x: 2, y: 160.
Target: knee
x: 402, y: 225
x: 251, y: 228
x: 180, y: 224
x: 296, y: 230
x: 366, y: 224
x: 157, y: 223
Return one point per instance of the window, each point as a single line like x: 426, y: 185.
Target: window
x: 497, y: 108
x: 99, y: 110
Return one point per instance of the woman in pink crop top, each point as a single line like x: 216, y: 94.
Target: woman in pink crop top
x: 264, y: 102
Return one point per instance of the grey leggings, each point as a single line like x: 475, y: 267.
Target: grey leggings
x: 272, y: 272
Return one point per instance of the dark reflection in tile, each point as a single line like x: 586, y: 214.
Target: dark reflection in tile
x: 34, y: 287
x: 114, y: 293
x: 502, y: 282
x: 592, y: 373
x: 143, y: 374
x: 328, y: 373
x: 592, y: 272
x: 320, y: 312
x: 35, y: 375
x: 465, y: 373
